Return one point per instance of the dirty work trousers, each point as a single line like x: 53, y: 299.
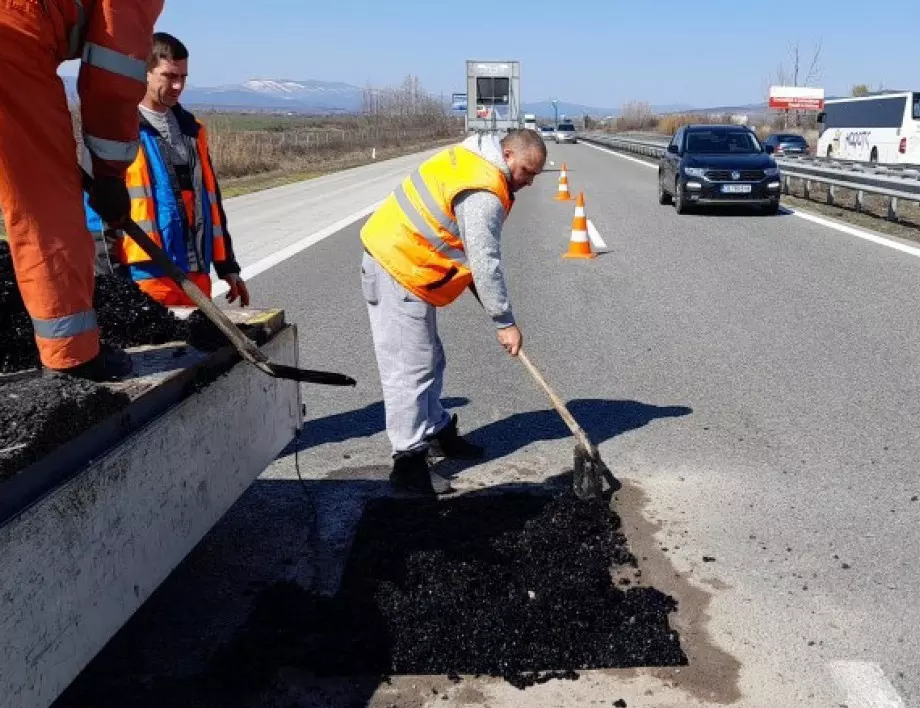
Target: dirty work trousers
x: 410, y: 359
x: 40, y: 191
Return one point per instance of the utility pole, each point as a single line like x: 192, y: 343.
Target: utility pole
x: 555, y: 112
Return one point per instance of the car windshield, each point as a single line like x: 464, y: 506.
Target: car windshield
x: 796, y: 139
x: 721, y: 142
x: 566, y: 127
x: 547, y: 129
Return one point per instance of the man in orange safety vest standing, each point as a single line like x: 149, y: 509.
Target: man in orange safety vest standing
x: 435, y: 236
x: 40, y: 186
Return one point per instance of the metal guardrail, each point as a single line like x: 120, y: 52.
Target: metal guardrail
x: 894, y: 182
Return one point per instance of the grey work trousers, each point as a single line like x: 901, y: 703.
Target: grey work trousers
x: 410, y: 359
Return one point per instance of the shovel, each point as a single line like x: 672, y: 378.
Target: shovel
x: 590, y: 469
x: 245, y: 346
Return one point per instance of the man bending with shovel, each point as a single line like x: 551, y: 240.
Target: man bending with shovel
x: 435, y: 236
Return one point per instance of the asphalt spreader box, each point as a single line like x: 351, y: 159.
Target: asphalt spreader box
x: 90, y: 529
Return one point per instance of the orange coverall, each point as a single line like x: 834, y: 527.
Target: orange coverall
x: 40, y: 188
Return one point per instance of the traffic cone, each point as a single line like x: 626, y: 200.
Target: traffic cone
x: 579, y: 243
x: 562, y: 194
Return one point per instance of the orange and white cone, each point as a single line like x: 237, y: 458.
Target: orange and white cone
x: 579, y: 243
x: 562, y: 194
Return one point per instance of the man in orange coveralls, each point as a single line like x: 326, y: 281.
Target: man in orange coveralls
x: 40, y: 187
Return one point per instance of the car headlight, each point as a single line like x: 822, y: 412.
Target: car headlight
x: 695, y: 172
x: 771, y: 172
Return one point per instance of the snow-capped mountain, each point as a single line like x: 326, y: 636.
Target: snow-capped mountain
x: 310, y: 96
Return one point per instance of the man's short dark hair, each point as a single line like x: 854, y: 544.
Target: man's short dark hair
x: 525, y: 139
x: 165, y: 46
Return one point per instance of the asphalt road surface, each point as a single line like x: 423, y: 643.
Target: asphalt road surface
x: 751, y: 380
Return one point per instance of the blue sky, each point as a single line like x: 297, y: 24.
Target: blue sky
x: 596, y: 52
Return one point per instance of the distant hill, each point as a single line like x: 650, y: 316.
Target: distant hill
x: 309, y: 96
x: 331, y: 97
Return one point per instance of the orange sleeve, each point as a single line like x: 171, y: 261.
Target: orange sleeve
x: 113, y: 80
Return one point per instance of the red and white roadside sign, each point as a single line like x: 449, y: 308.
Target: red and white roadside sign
x: 797, y: 98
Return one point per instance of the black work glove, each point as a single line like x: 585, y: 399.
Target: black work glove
x: 109, y: 197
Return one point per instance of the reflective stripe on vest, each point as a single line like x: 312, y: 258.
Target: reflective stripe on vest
x: 424, y: 228
x: 67, y: 326
x: 115, y: 62
x: 114, y: 150
x: 143, y: 211
x: 414, y: 234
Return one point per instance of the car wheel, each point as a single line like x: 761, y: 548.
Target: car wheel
x: 771, y: 209
x: 873, y: 157
x: 663, y: 196
x: 680, y: 204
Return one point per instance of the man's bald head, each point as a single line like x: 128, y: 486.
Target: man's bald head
x: 525, y: 155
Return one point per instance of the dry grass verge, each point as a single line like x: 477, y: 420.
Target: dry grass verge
x: 248, y: 184
x: 253, y: 152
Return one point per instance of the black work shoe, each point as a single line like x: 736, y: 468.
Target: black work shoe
x: 411, y: 474
x: 110, y: 364
x: 448, y: 443
x: 440, y: 484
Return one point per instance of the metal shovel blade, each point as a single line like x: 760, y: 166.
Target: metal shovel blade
x: 589, y: 473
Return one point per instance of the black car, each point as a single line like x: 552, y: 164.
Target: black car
x: 787, y: 144
x: 718, y: 165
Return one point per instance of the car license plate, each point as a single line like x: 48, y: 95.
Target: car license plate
x: 736, y: 189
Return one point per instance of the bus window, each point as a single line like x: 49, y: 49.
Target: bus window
x: 917, y: 106
x: 869, y: 113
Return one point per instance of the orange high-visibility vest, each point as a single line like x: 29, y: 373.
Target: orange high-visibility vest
x: 414, y: 234
x: 141, y: 180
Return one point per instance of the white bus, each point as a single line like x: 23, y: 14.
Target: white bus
x: 883, y: 128
x: 530, y: 121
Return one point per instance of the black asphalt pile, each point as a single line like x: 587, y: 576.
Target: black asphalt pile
x: 127, y: 317
x: 203, y: 334
x: 37, y: 415
x: 17, y: 347
x: 513, y: 585
x: 206, y: 336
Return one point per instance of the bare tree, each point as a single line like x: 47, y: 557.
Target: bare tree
x: 636, y: 115
x: 800, y: 71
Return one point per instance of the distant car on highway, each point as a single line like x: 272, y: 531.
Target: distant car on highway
x: 565, y: 133
x: 787, y: 144
x: 718, y: 165
x: 547, y: 132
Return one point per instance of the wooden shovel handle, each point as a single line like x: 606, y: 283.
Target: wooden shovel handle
x: 557, y: 403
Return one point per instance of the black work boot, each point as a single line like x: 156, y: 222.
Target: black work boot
x: 110, y: 364
x: 448, y: 443
x: 411, y: 474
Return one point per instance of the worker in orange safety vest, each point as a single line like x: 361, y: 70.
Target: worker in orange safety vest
x: 175, y: 195
x: 437, y: 234
x: 40, y: 185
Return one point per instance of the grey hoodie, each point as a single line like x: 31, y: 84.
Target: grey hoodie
x: 480, y: 215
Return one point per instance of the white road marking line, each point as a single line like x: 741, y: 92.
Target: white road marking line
x: 865, y: 685
x: 620, y: 154
x: 595, y: 237
x: 814, y: 218
x: 855, y: 231
x: 220, y: 287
